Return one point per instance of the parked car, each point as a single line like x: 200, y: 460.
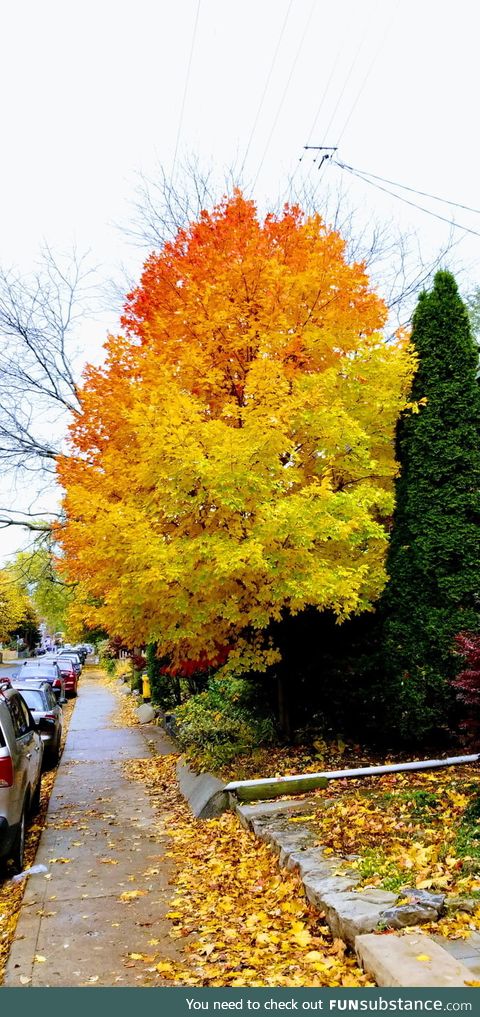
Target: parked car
x: 21, y: 756
x: 69, y: 675
x: 42, y: 703
x: 47, y: 670
x: 74, y: 658
x: 80, y: 650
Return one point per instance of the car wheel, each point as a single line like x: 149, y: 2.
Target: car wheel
x: 18, y: 848
x: 54, y: 754
x: 35, y: 802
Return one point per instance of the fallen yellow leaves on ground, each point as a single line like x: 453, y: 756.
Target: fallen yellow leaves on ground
x: 129, y: 895
x: 242, y: 920
x: 124, y: 715
x: 281, y: 761
x: 409, y: 830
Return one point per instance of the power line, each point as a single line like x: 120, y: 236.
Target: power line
x: 315, y: 119
x: 187, y: 79
x: 351, y: 68
x: 267, y: 82
x: 285, y: 90
x: 413, y: 204
x: 324, y: 95
x: 414, y: 190
x: 370, y: 69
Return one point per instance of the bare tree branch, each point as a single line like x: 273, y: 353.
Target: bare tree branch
x: 39, y: 314
x: 8, y: 519
x: 393, y: 257
x: 38, y: 389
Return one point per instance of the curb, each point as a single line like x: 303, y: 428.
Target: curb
x: 329, y: 883
x: 409, y: 960
x: 203, y: 791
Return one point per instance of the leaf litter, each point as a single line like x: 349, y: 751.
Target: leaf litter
x: 242, y: 921
x: 409, y: 830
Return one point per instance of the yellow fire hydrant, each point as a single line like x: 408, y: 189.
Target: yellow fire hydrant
x: 146, y: 691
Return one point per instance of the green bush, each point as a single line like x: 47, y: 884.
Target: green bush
x: 164, y: 687
x: 106, y: 656
x: 216, y: 725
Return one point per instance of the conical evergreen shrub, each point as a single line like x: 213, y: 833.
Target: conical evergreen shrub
x: 434, y: 555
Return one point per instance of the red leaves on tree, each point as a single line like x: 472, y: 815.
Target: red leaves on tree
x: 467, y: 684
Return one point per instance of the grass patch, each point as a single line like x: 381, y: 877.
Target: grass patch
x: 406, y: 829
x: 375, y: 865
x: 467, y: 842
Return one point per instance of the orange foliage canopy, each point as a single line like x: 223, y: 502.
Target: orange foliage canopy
x: 234, y: 455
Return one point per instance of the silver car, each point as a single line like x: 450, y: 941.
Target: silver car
x: 42, y: 703
x: 21, y: 755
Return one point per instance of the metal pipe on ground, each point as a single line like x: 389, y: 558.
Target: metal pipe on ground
x: 275, y: 787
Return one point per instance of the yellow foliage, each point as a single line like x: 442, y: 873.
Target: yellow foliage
x: 14, y: 603
x: 122, y: 669
x: 234, y: 457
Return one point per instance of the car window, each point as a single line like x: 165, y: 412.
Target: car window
x: 26, y: 713
x: 33, y: 699
x: 51, y: 700
x: 41, y: 671
x: 20, y: 716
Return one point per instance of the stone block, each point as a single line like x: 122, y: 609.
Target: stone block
x: 319, y: 887
x: 145, y: 713
x: 404, y: 915
x: 291, y: 845
x: 430, y: 900
x: 465, y: 950
x: 394, y: 961
x: 467, y: 904
x: 287, y: 840
x: 348, y: 913
x: 376, y: 896
x: 309, y: 860
x: 268, y: 810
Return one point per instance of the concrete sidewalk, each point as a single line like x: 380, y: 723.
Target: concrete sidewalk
x: 99, y: 842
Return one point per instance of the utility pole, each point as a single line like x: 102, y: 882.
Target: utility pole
x: 328, y: 151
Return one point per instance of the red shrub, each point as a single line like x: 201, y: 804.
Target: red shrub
x: 467, y: 685
x: 139, y: 662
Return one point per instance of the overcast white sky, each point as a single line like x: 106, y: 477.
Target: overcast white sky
x: 93, y: 93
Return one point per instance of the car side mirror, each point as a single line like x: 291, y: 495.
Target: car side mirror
x: 45, y: 725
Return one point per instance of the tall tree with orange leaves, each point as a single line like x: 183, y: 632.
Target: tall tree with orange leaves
x: 233, y: 458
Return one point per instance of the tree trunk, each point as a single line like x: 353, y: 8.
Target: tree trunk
x: 283, y: 706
